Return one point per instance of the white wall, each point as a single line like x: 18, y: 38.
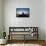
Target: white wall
x: 36, y: 19
x: 45, y: 19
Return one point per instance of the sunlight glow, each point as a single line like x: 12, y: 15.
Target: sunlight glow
x: 23, y: 45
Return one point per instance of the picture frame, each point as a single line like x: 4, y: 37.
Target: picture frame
x: 22, y: 12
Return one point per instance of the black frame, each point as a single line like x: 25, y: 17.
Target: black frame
x: 22, y: 12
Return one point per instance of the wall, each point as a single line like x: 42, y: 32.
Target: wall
x: 0, y: 18
x: 45, y: 19
x: 36, y: 19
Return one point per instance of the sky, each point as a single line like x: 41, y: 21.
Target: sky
x: 20, y: 10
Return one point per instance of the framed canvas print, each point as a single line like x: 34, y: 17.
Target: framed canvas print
x: 22, y: 12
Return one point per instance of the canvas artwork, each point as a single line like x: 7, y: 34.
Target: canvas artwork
x: 22, y: 12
